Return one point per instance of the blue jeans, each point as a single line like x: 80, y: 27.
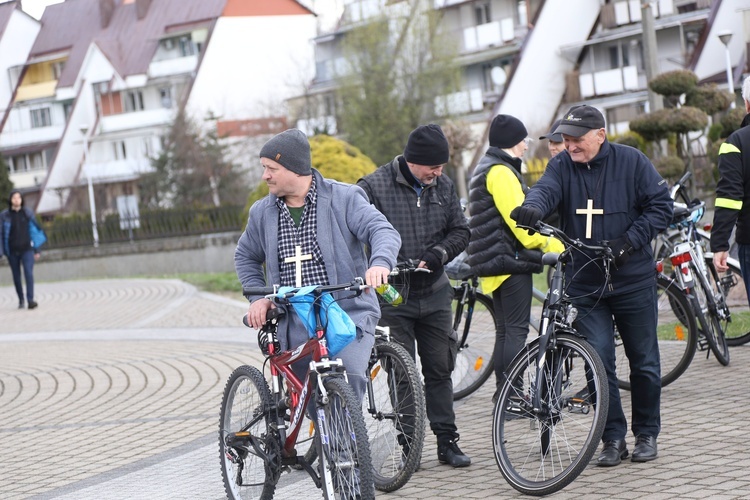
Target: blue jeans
x: 635, y: 314
x: 744, y: 257
x: 25, y: 259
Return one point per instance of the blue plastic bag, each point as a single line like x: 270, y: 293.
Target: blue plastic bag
x: 340, y: 329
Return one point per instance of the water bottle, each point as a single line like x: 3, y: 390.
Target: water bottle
x: 389, y: 294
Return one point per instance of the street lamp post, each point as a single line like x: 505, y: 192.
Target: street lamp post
x: 725, y: 36
x: 92, y: 201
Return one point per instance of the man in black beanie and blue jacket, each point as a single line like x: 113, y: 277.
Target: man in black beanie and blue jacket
x: 422, y: 205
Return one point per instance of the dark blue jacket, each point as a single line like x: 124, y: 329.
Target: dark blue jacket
x: 38, y: 238
x: 636, y: 202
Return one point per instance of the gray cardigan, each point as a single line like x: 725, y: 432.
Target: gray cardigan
x: 347, y: 224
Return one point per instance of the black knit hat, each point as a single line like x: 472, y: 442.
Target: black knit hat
x: 506, y: 131
x: 427, y: 146
x: 290, y: 149
x: 579, y: 120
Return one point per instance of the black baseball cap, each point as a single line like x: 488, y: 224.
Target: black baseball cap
x: 579, y: 120
x: 551, y: 135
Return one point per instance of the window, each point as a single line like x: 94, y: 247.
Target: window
x: 67, y: 108
x: 482, y: 13
x: 148, y: 150
x: 40, y: 118
x: 133, y: 101
x: 614, y: 56
x: 36, y: 162
x: 119, y: 149
x: 165, y: 96
x: 17, y: 164
x: 523, y: 15
x: 187, y: 48
x: 57, y: 69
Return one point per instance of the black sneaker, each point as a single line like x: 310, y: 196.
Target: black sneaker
x: 21, y: 304
x: 32, y: 304
x: 449, y: 453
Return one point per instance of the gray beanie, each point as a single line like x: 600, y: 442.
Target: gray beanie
x: 290, y: 149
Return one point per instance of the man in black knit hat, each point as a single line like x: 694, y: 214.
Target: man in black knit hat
x: 423, y: 207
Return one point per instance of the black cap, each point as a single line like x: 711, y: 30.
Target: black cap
x: 579, y: 120
x: 427, y: 146
x: 506, y: 131
x: 551, y: 135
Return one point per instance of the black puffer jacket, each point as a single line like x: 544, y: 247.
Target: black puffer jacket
x: 493, y: 249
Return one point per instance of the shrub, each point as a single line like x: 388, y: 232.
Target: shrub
x: 731, y: 121
x: 653, y: 126
x: 673, y: 83
x: 686, y: 119
x: 631, y: 139
x: 670, y: 167
x: 708, y: 98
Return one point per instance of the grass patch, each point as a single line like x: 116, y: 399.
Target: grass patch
x: 224, y: 283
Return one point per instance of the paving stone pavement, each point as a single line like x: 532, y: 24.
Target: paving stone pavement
x: 111, y: 389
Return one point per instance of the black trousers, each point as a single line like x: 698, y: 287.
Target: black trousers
x: 427, y: 321
x: 512, y: 304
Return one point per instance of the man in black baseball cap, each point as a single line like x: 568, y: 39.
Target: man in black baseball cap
x: 610, y: 192
x: 555, y: 142
x: 582, y: 130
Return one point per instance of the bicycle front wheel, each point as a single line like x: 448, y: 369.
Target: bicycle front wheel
x: 476, y: 333
x: 343, y: 451
x: 245, y: 407
x: 394, y: 411
x: 737, y: 331
x: 549, y: 417
x: 676, y: 331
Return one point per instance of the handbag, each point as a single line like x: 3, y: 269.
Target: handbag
x: 339, y: 327
x: 38, y: 237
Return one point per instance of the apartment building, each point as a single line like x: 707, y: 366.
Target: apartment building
x: 535, y: 59
x: 105, y: 79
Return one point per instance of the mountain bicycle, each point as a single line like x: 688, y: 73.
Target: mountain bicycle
x: 259, y: 427
x: 552, y: 407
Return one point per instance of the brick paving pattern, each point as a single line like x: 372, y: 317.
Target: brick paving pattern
x: 111, y: 389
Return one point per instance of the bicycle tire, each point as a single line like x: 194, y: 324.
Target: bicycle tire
x: 676, y: 330
x: 394, y: 413
x: 737, y: 331
x: 246, y: 396
x: 341, y: 437
x: 708, y: 321
x: 572, y: 416
x: 474, y: 361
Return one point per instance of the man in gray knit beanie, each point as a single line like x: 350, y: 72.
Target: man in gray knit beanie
x: 291, y: 150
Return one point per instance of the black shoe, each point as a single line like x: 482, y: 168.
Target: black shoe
x: 21, y: 304
x: 645, y: 449
x: 612, y: 453
x: 32, y: 304
x: 449, y: 453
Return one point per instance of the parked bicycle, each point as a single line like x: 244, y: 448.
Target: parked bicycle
x: 552, y: 408
x: 676, y: 330
x: 394, y: 414
x: 259, y: 427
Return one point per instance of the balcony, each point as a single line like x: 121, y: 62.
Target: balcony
x: 118, y: 170
x: 135, y: 120
x: 36, y: 91
x: 629, y: 11
x: 492, y: 34
x: 14, y: 139
x: 176, y: 66
x: 459, y: 103
x: 613, y: 81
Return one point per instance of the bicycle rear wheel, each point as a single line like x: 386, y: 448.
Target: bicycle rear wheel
x: 677, y: 334
x: 476, y: 333
x: 737, y: 331
x: 394, y: 413
x: 244, y: 407
x: 540, y: 451
x: 343, y: 451
x: 710, y: 316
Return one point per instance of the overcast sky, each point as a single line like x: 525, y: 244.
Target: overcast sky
x: 36, y: 7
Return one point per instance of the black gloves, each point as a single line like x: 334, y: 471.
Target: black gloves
x: 433, y: 257
x: 526, y: 216
x: 622, y: 250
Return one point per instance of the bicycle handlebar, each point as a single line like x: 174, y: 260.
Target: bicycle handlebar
x: 271, y: 293
x: 549, y: 230
x: 409, y: 266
